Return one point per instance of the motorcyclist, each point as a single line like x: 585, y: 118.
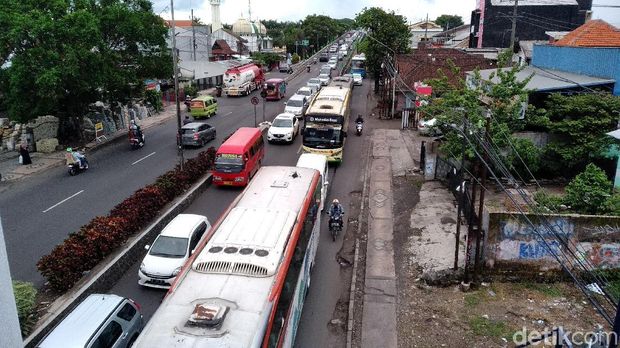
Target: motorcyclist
x: 137, y: 132
x: 78, y: 157
x: 336, y: 210
x: 308, y: 68
x: 359, y: 119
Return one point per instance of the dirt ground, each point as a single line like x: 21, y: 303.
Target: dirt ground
x: 485, y: 317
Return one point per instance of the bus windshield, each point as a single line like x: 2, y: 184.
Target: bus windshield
x: 322, y: 137
x: 229, y: 163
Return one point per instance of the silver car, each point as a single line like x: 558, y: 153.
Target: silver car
x: 197, y: 134
x: 314, y: 84
x: 101, y: 320
x: 324, y: 78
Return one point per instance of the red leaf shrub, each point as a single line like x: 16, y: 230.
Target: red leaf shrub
x: 83, y: 250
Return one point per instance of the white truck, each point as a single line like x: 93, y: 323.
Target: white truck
x: 242, y: 80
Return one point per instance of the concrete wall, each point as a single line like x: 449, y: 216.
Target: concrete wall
x: 599, y: 62
x: 511, y: 241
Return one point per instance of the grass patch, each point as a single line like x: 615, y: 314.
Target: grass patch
x: 484, y: 327
x: 25, y: 297
x: 549, y: 290
x: 473, y: 299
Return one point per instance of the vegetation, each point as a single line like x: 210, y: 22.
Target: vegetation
x: 389, y: 35
x: 64, y: 55
x: 317, y: 29
x: 482, y: 326
x: 449, y: 21
x: 266, y: 58
x: 191, y: 90
x: 83, y: 250
x: 587, y: 192
x: 25, y: 300
x: 153, y: 97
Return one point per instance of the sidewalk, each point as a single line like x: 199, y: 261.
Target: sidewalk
x: 12, y: 171
x: 410, y: 222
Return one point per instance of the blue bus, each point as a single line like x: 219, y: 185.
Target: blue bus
x: 358, y: 64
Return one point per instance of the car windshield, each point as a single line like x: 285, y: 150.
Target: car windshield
x: 296, y: 103
x: 323, y: 76
x: 357, y: 76
x: 314, y: 81
x: 305, y: 92
x: 172, y: 247
x: 228, y: 163
x: 282, y: 123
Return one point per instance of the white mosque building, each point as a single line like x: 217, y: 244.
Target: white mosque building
x: 254, y: 33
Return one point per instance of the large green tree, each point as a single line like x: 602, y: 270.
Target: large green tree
x: 449, y: 21
x: 60, y: 56
x: 387, y: 33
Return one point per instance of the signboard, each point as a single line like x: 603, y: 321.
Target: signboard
x: 99, y: 132
x: 305, y: 42
x: 325, y: 119
x: 254, y: 101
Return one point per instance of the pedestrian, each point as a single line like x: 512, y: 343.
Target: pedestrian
x: 24, y: 154
x: 186, y: 120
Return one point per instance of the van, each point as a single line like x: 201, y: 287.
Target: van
x: 239, y: 157
x: 203, y: 107
x: 318, y: 162
x: 101, y: 320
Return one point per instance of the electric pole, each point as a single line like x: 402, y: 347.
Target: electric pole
x: 175, y: 69
x: 514, y: 27
x: 193, y: 36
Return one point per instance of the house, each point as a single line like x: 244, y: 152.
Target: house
x: 221, y: 50
x: 235, y: 42
x: 593, y: 49
x: 422, y: 31
x: 491, y: 21
x: 457, y: 37
x: 193, y: 40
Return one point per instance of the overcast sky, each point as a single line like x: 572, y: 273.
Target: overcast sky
x: 293, y: 10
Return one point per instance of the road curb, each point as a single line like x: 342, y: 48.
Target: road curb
x: 111, y: 269
x: 353, y: 288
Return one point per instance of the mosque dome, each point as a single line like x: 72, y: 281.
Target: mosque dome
x: 244, y: 27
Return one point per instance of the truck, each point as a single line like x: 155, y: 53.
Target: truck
x: 242, y: 80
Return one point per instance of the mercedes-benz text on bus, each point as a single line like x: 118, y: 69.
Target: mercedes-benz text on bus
x: 239, y: 157
x: 245, y: 285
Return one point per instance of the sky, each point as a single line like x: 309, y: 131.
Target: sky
x: 294, y: 10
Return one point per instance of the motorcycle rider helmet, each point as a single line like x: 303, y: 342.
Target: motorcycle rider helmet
x: 335, y: 201
x: 69, y: 149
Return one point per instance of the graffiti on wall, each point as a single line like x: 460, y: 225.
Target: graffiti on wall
x: 601, y: 255
x: 516, y: 230
x: 530, y: 250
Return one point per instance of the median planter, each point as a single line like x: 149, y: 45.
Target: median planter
x: 84, y: 249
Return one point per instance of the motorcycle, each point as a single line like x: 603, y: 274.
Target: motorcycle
x: 308, y: 68
x: 74, y: 167
x: 136, y: 141
x: 335, y: 225
x: 358, y: 128
x: 314, y: 61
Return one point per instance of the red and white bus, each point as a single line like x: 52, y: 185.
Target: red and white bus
x: 246, y: 283
x: 239, y: 157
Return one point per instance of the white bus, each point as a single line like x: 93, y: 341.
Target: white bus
x: 245, y: 285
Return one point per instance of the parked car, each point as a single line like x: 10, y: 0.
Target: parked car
x: 429, y: 127
x: 357, y: 79
x: 296, y: 105
x: 284, y: 128
x: 324, y: 78
x: 174, y: 245
x: 197, y: 134
x: 315, y: 84
x: 101, y: 320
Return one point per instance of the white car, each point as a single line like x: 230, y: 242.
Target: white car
x: 296, y: 105
x: 357, y: 79
x: 333, y: 63
x: 324, y: 78
x: 284, y: 128
x: 306, y: 92
x: 314, y: 83
x: 174, y: 245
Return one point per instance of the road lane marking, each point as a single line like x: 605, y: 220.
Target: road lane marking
x: 61, y: 202
x: 228, y: 113
x: 143, y: 158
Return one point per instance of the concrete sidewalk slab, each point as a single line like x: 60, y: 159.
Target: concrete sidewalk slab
x: 378, y: 330
x: 380, y: 249
x: 380, y: 199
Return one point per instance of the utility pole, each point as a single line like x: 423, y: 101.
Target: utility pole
x: 176, y: 86
x: 514, y: 27
x: 193, y: 36
x: 461, y: 187
x: 395, y: 72
x: 483, y: 180
x: 426, y: 29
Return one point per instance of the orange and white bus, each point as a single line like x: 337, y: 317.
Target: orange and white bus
x: 239, y: 157
x: 246, y: 283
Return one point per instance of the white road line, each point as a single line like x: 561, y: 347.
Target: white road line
x: 143, y: 158
x: 228, y: 113
x: 61, y: 202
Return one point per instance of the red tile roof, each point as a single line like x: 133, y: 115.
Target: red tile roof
x: 179, y: 23
x: 222, y: 47
x: 594, y: 33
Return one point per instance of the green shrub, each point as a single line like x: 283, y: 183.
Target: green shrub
x: 528, y: 155
x: 295, y: 59
x: 611, y: 206
x: 153, y: 97
x: 587, y: 192
x: 25, y: 296
x: 191, y: 90
x: 548, y: 201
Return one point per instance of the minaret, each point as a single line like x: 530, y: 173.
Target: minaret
x: 250, y: 11
x: 216, y: 23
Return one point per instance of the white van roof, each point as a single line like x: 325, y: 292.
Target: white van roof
x: 312, y: 161
x: 182, y: 225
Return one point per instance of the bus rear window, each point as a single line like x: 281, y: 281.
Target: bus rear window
x: 197, y: 104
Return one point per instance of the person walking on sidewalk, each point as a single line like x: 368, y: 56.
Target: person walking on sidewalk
x: 24, y: 154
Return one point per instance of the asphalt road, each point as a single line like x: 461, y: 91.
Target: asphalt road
x: 327, y: 282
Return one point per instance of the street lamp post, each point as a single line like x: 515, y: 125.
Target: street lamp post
x: 176, y: 87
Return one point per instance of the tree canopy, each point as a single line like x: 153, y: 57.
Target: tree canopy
x: 60, y: 56
x: 317, y: 29
x: 388, y: 33
x: 449, y: 21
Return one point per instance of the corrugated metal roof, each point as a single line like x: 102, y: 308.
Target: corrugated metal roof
x: 547, y: 79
